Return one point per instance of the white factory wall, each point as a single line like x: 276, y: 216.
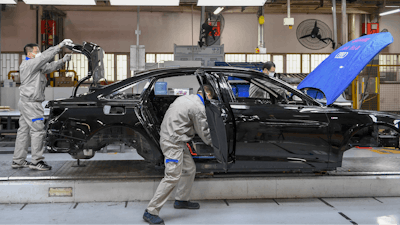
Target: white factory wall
x: 18, y: 28
x: 115, y: 31
x: 392, y: 23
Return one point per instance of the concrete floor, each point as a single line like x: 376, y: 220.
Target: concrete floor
x: 379, y: 210
x: 382, y: 210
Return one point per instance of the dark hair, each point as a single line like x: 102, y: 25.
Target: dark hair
x: 208, y: 89
x: 29, y: 48
x: 268, y: 65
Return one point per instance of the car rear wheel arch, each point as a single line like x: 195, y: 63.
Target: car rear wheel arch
x: 134, y: 137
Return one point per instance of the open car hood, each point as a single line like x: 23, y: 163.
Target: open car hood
x: 337, y: 71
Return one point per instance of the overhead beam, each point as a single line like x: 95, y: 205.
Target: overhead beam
x: 188, y: 9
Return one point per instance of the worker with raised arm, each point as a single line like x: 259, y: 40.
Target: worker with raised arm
x: 31, y: 121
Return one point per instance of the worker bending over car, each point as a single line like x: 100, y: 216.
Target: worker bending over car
x: 184, y: 118
x: 31, y: 121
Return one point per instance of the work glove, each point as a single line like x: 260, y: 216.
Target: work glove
x: 67, y: 57
x: 65, y: 42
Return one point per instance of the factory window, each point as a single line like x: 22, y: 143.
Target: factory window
x: 109, y: 67
x: 122, y: 67
x: 79, y: 63
x: 293, y: 63
x: 306, y: 63
x: 389, y: 67
x: 258, y: 58
x: 278, y: 61
x: 235, y: 58
x: 150, y: 58
x: 388, y: 60
x: 317, y: 59
x: 9, y: 62
x: 160, y: 58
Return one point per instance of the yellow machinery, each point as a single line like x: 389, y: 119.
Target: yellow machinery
x: 377, y: 96
x: 10, y: 76
x: 61, y: 81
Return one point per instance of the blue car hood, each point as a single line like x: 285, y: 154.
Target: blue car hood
x: 337, y: 71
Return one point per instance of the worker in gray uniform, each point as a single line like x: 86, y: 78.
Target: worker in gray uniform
x: 184, y: 118
x: 31, y: 121
x: 256, y: 92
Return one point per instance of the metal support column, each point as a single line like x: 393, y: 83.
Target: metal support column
x: 260, y: 29
x: 335, y: 39
x: 352, y: 26
x: 1, y: 74
x: 344, y: 23
x: 137, y: 37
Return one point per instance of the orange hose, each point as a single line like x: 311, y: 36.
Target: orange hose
x: 190, y: 149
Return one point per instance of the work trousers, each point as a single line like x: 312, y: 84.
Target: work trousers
x: 180, y: 171
x: 31, y: 129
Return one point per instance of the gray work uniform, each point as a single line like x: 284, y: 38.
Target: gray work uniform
x: 184, y: 118
x: 31, y: 121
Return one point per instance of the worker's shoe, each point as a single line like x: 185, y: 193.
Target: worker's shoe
x: 186, y: 205
x: 152, y: 219
x: 40, y: 166
x: 25, y: 163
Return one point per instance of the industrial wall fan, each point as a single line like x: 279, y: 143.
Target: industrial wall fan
x: 314, y: 34
x: 211, y: 30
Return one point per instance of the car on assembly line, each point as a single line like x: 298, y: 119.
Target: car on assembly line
x: 289, y: 131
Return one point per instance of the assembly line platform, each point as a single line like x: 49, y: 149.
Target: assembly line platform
x: 364, y: 173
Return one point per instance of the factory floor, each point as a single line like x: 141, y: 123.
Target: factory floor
x: 382, y: 210
x: 368, y: 210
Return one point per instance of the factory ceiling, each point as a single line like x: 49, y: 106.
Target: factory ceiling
x: 270, y: 7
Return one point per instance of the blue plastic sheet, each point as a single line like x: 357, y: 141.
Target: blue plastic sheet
x: 337, y: 71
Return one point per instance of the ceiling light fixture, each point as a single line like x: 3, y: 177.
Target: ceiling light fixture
x: 230, y: 2
x: 145, y: 2
x: 218, y: 10
x: 8, y: 1
x: 389, y: 12
x: 60, y: 2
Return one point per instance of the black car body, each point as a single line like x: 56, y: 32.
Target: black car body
x: 287, y: 132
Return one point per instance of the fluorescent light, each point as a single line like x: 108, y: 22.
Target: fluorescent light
x: 60, y: 2
x: 145, y: 2
x: 389, y: 12
x: 392, y: 6
x: 8, y: 1
x: 218, y: 10
x: 230, y: 2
